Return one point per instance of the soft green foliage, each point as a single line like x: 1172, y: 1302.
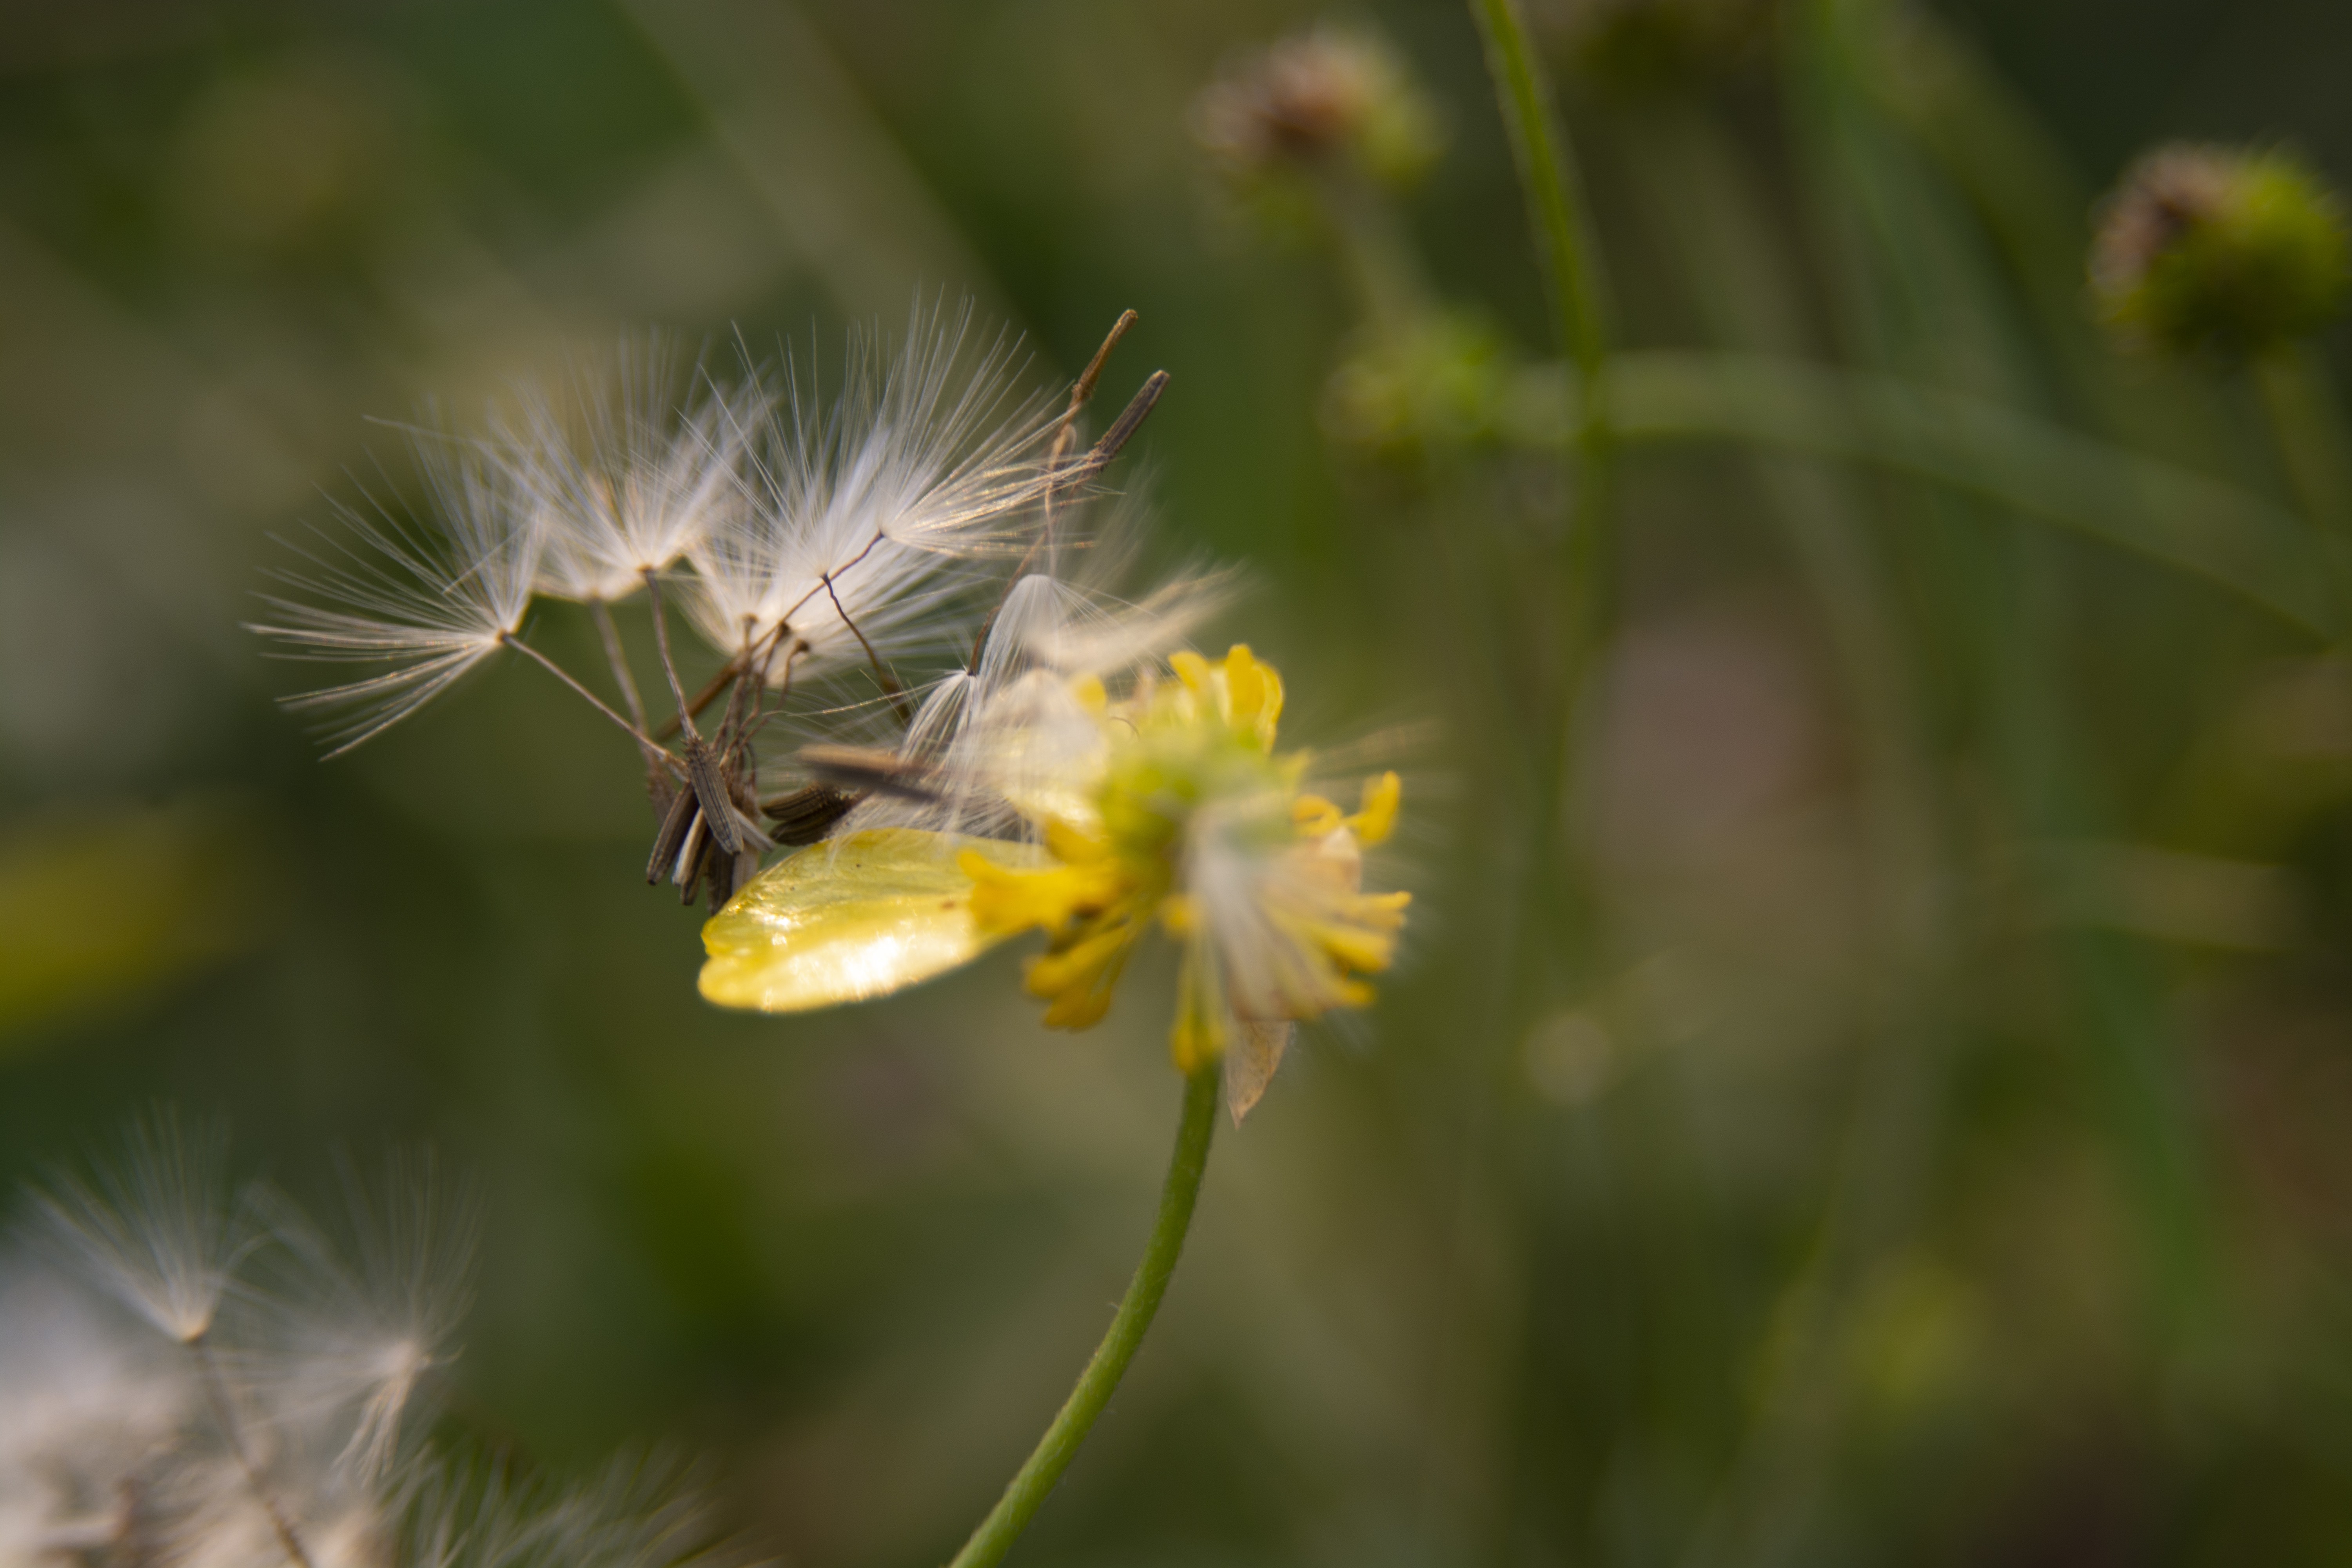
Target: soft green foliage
x: 1641, y: 46
x: 1902, y: 1119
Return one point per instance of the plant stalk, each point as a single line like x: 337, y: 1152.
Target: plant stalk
x: 1570, y: 262
x: 1055, y: 1451
x: 2308, y: 429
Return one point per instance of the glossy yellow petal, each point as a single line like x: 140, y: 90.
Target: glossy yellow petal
x: 844, y: 922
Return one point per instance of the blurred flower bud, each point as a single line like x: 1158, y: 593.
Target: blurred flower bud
x: 1435, y: 385
x: 1330, y: 97
x: 2212, y: 250
x: 1647, y: 46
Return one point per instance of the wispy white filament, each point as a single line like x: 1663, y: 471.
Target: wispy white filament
x: 862, y: 508
x: 430, y: 604
x: 626, y: 469
x: 254, y: 1407
x: 155, y: 1230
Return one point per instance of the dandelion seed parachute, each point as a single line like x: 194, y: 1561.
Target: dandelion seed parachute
x: 353, y: 1334
x: 155, y: 1230
x: 862, y: 510
x: 430, y: 604
x: 86, y: 1402
x: 627, y: 471
x: 249, y: 1407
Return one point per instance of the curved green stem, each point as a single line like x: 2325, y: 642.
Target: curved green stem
x: 2308, y: 427
x: 1570, y: 262
x: 1055, y: 1451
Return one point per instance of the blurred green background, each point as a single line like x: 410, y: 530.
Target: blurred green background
x: 1924, y: 1139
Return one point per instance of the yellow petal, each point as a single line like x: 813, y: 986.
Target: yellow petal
x: 1314, y: 816
x: 1005, y: 899
x: 873, y: 914
x: 1378, y: 818
x: 1252, y: 695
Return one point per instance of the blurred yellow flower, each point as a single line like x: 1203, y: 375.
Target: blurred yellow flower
x: 1172, y: 809
x: 1198, y: 826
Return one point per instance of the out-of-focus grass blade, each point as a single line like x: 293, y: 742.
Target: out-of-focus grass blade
x: 2157, y: 510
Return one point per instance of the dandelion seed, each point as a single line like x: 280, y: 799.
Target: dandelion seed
x: 279, y: 1428
x: 803, y: 540
x: 639, y: 1512
x: 628, y: 473
x: 155, y: 1230
x: 347, y: 1342
x: 428, y: 604
x: 862, y: 510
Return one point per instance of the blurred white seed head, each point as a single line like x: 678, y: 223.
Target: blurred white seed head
x: 155, y: 1228
x: 639, y: 1513
x: 264, y: 1384
x: 88, y: 1402
x: 345, y: 1338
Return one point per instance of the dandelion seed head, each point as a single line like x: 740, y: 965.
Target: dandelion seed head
x: 272, y: 1417
x: 639, y: 1512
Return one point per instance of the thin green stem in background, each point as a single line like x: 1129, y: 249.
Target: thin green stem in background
x: 2308, y: 427
x: 1570, y: 262
x: 1573, y: 279
x: 1055, y: 1451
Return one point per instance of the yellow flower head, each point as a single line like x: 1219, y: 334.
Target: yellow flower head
x: 1189, y: 821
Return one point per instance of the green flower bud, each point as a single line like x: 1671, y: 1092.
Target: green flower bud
x: 1324, y: 99
x: 1433, y: 386
x: 2218, y: 252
